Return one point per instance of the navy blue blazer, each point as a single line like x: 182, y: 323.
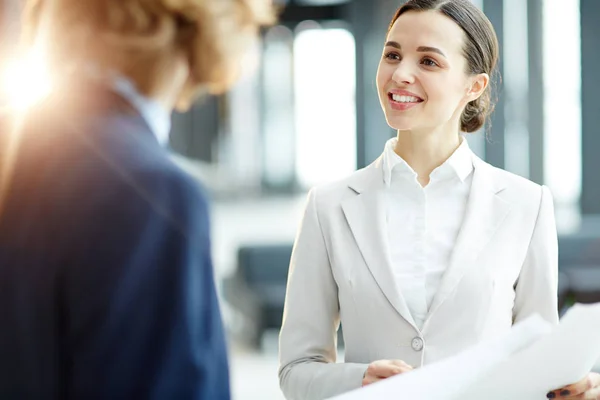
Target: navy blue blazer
x: 106, y: 280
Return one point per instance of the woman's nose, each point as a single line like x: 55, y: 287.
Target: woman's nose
x: 403, y: 74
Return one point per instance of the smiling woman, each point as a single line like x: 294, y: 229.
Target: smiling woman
x: 429, y: 250
x: 465, y: 53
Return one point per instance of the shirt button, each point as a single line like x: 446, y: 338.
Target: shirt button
x: 417, y: 344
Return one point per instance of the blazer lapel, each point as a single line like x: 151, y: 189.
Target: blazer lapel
x: 366, y: 216
x: 485, y: 213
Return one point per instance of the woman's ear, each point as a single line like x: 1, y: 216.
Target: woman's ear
x: 478, y: 85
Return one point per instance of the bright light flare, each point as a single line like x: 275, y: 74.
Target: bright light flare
x: 25, y: 81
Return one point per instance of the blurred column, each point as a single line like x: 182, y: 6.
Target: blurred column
x: 590, y: 106
x: 516, y: 87
x: 278, y: 136
x: 240, y: 141
x: 369, y: 21
x: 535, y: 118
x: 477, y: 140
x: 494, y: 149
x: 194, y: 133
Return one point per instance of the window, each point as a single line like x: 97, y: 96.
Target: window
x: 562, y: 105
x: 325, y: 106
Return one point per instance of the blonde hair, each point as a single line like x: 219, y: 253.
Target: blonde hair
x: 140, y: 37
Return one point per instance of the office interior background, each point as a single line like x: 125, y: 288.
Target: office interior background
x: 306, y: 112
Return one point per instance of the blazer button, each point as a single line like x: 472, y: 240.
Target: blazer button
x: 417, y: 344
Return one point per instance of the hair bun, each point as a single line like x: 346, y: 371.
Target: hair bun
x: 476, y: 113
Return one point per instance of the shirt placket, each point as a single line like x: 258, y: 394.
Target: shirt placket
x: 420, y: 256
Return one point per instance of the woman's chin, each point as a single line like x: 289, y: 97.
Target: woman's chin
x: 401, y: 124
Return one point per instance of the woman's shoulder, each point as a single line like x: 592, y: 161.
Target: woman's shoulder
x: 337, y: 191
x: 515, y: 188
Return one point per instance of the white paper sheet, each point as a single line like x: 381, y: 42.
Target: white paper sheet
x: 558, y: 359
x: 445, y: 379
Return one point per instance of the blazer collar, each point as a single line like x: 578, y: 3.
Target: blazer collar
x: 366, y: 214
x: 370, y: 177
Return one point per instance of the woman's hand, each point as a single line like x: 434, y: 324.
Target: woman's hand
x: 586, y: 389
x: 382, y: 369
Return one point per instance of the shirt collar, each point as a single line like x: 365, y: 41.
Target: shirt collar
x: 153, y: 113
x: 459, y: 164
x: 393, y: 162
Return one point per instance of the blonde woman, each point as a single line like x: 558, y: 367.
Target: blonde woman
x: 106, y: 281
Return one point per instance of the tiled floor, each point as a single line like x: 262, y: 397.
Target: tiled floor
x: 254, y: 377
x: 254, y: 374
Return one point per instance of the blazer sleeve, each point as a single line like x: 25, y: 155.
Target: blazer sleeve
x: 142, y: 318
x: 307, y: 342
x: 537, y: 286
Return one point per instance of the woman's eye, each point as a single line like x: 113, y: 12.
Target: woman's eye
x: 429, y: 62
x: 392, y: 56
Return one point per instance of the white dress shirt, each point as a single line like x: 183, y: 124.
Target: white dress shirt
x: 423, y: 223
x: 153, y: 113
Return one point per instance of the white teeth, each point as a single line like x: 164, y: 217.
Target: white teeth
x: 405, y: 99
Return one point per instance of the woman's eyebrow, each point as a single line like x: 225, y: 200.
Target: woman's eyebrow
x: 421, y: 49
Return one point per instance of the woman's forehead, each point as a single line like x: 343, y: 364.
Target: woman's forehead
x: 427, y: 28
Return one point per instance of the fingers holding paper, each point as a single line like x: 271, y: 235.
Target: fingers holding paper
x: 586, y: 389
x: 382, y: 369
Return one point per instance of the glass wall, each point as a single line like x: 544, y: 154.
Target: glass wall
x: 292, y: 123
x: 562, y: 105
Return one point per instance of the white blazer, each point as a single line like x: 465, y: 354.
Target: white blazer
x: 503, y: 269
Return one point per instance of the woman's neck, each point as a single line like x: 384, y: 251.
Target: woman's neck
x: 424, y: 152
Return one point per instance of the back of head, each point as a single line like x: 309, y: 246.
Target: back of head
x: 481, y: 49
x: 139, y: 38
